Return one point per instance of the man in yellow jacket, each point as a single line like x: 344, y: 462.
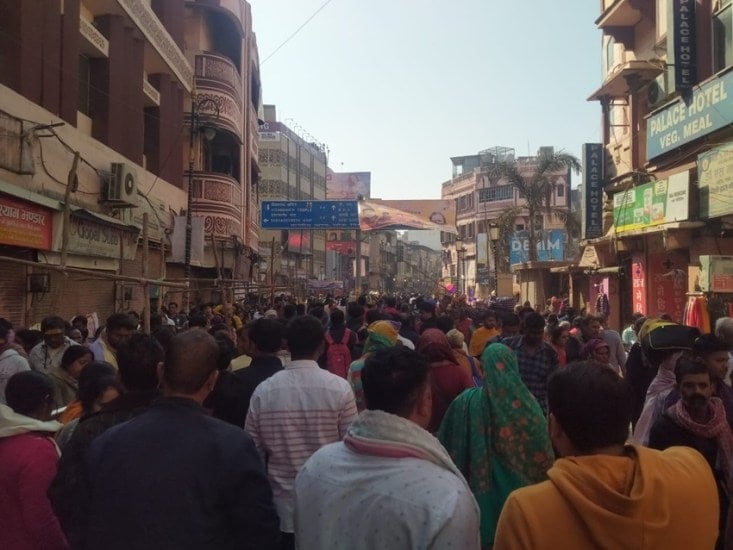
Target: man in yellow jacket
x: 603, y: 493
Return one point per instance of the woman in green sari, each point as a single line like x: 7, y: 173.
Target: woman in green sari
x: 497, y: 436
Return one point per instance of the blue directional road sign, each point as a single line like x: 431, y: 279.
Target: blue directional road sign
x: 310, y: 215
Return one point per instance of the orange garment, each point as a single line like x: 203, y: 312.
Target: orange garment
x: 639, y: 501
x: 71, y: 412
x: 480, y: 338
x: 465, y: 362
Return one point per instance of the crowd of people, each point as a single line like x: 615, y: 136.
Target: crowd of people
x: 375, y: 423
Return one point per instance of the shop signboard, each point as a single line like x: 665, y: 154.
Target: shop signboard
x: 667, y: 285
x: 638, y: 284
x: 592, y: 190
x: 653, y: 203
x: 25, y: 224
x: 550, y: 246
x: 708, y: 108
x: 715, y: 180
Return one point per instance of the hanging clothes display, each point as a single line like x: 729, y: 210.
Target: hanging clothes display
x: 602, y: 305
x: 697, y: 313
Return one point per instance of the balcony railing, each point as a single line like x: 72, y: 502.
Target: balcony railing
x: 217, y: 79
x: 215, y: 198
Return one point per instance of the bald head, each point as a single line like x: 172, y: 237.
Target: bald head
x: 189, y: 361
x: 724, y: 330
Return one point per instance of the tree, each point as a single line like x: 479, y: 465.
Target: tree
x: 535, y: 185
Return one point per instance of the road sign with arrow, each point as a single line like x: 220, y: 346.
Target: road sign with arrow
x: 310, y: 215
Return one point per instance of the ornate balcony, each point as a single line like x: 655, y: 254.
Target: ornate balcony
x: 217, y: 79
x: 215, y: 198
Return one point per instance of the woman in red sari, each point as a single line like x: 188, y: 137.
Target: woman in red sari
x: 448, y: 378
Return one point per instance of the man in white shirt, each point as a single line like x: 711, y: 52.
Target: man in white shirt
x: 47, y: 354
x: 389, y: 483
x: 295, y: 412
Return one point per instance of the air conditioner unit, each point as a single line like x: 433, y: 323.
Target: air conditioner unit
x: 121, y: 188
x: 660, y: 90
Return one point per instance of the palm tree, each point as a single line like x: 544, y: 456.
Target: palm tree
x: 535, y: 187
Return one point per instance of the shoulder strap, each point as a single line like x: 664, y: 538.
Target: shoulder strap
x: 329, y: 339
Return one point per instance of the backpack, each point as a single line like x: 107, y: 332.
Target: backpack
x: 338, y: 356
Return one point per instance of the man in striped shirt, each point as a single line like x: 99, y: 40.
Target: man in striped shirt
x: 295, y: 412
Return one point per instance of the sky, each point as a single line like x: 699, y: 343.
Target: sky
x: 397, y: 87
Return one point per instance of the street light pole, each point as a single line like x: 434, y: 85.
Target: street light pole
x: 494, y: 237
x: 196, y: 105
x: 460, y: 251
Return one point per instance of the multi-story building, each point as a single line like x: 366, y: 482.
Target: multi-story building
x: 488, y: 245
x: 667, y: 104
x: 95, y: 126
x: 293, y: 168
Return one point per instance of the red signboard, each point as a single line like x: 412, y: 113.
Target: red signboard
x: 638, y: 284
x: 347, y: 248
x: 25, y: 224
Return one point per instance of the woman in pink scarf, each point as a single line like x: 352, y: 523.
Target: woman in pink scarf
x: 448, y: 379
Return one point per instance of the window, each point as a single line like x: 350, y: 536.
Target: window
x: 84, y: 102
x: 723, y: 35
x: 561, y: 190
x: 498, y: 193
x: 662, y: 11
x: 610, y: 53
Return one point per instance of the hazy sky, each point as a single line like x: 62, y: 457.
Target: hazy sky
x: 397, y: 87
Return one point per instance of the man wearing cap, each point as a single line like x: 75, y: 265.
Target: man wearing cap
x: 47, y: 354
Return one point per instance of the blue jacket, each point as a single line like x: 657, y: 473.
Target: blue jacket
x: 176, y: 478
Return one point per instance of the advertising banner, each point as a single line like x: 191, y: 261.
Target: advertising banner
x: 25, y: 224
x: 348, y: 185
x: 418, y: 214
x: 708, y: 108
x: 652, y: 203
x: 638, y: 284
x: 550, y: 246
x: 345, y: 248
x: 592, y: 190
x: 715, y: 180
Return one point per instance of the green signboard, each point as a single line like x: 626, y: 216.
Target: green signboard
x: 652, y: 204
x: 715, y: 177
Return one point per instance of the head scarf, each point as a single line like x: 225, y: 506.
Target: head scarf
x: 592, y: 345
x: 381, y: 335
x: 455, y: 338
x: 497, y: 436
x: 434, y: 343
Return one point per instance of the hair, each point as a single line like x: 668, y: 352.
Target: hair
x: 172, y: 304
x: 724, y: 329
x: 72, y: 354
x: 197, y: 319
x: 164, y: 335
x: 266, y: 334
x: 190, y: 361
x: 226, y: 351
x: 52, y: 322
x: 390, y: 301
x: 304, y: 335
x: 686, y: 366
x: 444, y: 323
x: 29, y: 338
x: 556, y: 331
x: 706, y: 344
x: 393, y: 378
x: 26, y: 392
x: 5, y: 327
x: 337, y: 318
x: 592, y: 404
x: 511, y: 320
x: 80, y: 319
x: 121, y: 320
x: 137, y: 359
x: 533, y: 321
x: 354, y: 311
x: 289, y: 311
x: 94, y: 381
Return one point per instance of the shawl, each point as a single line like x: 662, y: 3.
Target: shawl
x: 663, y: 383
x: 497, y: 436
x: 434, y: 343
x: 717, y: 427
